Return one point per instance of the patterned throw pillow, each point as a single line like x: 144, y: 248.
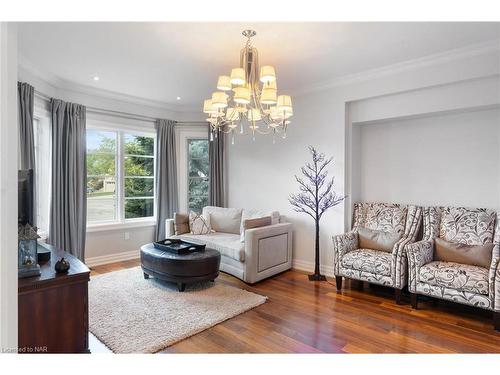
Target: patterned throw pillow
x: 199, y: 224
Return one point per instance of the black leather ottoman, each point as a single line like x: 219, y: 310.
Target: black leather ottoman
x: 180, y: 269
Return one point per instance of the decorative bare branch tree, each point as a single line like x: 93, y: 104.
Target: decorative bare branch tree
x: 315, y: 197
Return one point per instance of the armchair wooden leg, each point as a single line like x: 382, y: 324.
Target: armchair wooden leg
x: 397, y: 295
x: 496, y: 320
x: 414, y: 300
x: 338, y: 281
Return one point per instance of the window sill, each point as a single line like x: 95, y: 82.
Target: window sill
x: 118, y: 226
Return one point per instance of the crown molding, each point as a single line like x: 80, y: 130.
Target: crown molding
x: 61, y: 84
x: 406, y: 66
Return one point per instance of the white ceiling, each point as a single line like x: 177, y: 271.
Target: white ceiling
x: 160, y: 61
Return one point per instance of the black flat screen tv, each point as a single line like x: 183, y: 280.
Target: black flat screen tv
x: 25, y: 197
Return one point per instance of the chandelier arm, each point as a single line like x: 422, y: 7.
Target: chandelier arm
x: 266, y: 118
x: 264, y: 132
x: 258, y: 105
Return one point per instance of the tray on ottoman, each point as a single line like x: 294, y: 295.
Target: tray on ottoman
x: 176, y: 246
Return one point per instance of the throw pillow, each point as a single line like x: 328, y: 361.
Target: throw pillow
x: 225, y: 220
x: 255, y: 214
x: 199, y: 224
x: 181, y: 223
x: 377, y: 239
x: 254, y: 223
x: 474, y: 255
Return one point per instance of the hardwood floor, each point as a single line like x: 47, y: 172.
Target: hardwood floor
x: 311, y: 317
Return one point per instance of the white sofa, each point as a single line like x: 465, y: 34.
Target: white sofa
x: 260, y: 253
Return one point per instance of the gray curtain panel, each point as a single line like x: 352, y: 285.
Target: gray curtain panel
x: 216, y: 155
x: 166, y: 175
x: 27, y: 139
x: 68, y: 208
x: 26, y: 104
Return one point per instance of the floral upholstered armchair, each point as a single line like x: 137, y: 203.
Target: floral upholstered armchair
x: 359, y: 259
x: 475, y: 283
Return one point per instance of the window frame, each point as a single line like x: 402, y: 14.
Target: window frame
x: 41, y: 116
x: 188, y: 160
x: 121, y: 221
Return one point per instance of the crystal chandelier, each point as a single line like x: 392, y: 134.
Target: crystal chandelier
x: 247, y: 97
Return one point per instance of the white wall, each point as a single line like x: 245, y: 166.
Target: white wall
x: 8, y: 187
x: 118, y: 244
x: 448, y: 159
x: 261, y: 175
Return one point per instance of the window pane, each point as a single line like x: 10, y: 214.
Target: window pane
x: 198, y: 174
x: 198, y: 194
x: 197, y: 202
x: 198, y: 148
x: 101, y: 164
x: 101, y: 199
x: 101, y: 141
x: 139, y: 187
x: 198, y: 168
x: 139, y: 166
x: 198, y: 186
x: 136, y: 208
x: 137, y: 145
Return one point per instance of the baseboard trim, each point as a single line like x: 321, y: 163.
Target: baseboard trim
x: 112, y: 258
x: 297, y: 264
x: 303, y: 265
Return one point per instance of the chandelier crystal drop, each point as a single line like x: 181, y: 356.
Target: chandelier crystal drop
x: 248, y: 96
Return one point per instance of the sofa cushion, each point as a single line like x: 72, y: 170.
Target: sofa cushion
x: 457, y: 276
x: 377, y: 239
x: 227, y: 244
x: 471, y: 226
x: 181, y: 223
x: 225, y: 220
x: 252, y: 214
x: 367, y: 260
x: 474, y: 255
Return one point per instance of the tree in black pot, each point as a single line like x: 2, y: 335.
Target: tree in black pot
x: 315, y: 197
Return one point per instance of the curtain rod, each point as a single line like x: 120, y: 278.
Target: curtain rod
x: 120, y: 113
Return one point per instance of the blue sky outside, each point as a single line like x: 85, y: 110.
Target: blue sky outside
x: 95, y: 137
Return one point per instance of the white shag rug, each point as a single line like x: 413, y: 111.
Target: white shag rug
x: 133, y: 315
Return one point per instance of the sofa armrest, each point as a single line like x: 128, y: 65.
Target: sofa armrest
x: 419, y: 254
x: 494, y: 278
x: 267, y: 231
x: 266, y: 248
x: 169, y: 228
x: 342, y: 244
x: 399, y: 260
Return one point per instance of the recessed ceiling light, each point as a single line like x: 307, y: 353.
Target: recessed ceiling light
x: 95, y: 78
x: 178, y: 98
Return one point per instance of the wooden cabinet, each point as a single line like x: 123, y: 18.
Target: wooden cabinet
x: 53, y: 308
